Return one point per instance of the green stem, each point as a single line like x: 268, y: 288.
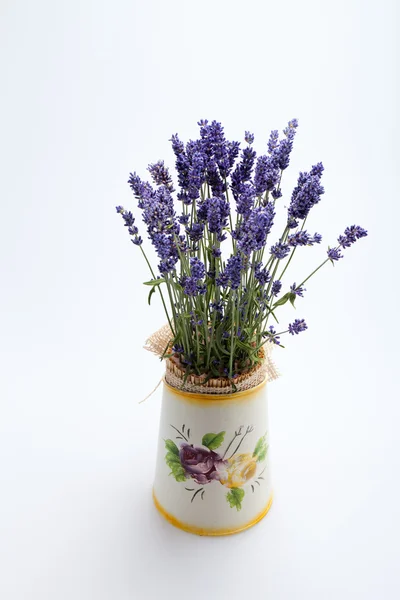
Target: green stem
x: 293, y: 251
x: 232, y: 336
x: 158, y: 287
x: 313, y: 273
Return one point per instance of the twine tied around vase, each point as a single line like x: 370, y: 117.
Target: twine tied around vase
x: 174, y: 375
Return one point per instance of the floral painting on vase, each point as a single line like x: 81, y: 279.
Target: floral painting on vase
x: 201, y: 464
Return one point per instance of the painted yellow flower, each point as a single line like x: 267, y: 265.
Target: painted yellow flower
x: 238, y: 470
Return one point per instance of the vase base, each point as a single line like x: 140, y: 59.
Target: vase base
x: 213, y: 532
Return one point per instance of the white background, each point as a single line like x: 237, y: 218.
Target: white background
x: 89, y: 92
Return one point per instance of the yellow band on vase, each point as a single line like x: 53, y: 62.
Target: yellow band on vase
x: 210, y: 532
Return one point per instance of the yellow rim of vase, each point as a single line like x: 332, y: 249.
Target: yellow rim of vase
x: 210, y: 532
x: 206, y: 398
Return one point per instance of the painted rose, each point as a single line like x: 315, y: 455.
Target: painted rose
x: 202, y: 464
x: 237, y: 470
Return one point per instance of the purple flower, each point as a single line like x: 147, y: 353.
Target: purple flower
x: 214, y: 180
x: 298, y: 291
x: 243, y: 171
x: 334, y: 253
x: 163, y: 244
x: 197, y: 268
x: 351, y: 235
x: 271, y: 335
x: 195, y: 232
x: 290, y: 130
x: 217, y: 307
x: 193, y: 285
x: 200, y: 463
x: 157, y: 205
x: 292, y: 223
x: 216, y: 252
x: 317, y: 238
x: 178, y: 349
x: 216, y: 212
x: 182, y: 163
x: 167, y: 265
x: 183, y: 219
x: 317, y: 170
x: 129, y: 221
x: 302, y: 238
x: 215, y: 145
x: 276, y: 193
x: 160, y: 175
x: 307, y: 193
x: 255, y: 228
x: 344, y: 241
x: 248, y: 137
x: 273, y: 140
x: 281, y: 151
x: 245, y: 199
x: 189, y: 285
x: 159, y: 216
x: 233, y: 152
x: 276, y: 287
x: 261, y: 274
x: 232, y: 273
x: 298, y: 326
x: 196, y: 175
x: 140, y: 188
x: 128, y: 218
x: 280, y: 250
x: 266, y: 174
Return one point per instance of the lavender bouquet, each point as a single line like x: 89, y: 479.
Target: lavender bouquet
x: 219, y: 277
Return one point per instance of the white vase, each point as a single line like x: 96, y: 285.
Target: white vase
x: 213, y: 474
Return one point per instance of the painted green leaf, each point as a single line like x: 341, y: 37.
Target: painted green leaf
x: 235, y: 497
x: 177, y: 471
x: 172, y: 458
x: 171, y: 447
x: 263, y: 454
x: 261, y: 449
x: 173, y: 461
x: 259, y: 445
x: 213, y: 440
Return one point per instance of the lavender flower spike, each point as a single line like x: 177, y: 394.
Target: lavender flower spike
x: 266, y: 175
x: 160, y: 175
x: 276, y: 287
x: 351, y: 235
x: 298, y: 326
x: 307, y: 193
x: 334, y: 254
x: 298, y: 291
x: 271, y: 335
x: 130, y: 224
x: 280, y: 250
x: 232, y: 273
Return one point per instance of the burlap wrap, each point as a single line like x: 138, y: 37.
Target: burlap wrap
x: 174, y: 375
